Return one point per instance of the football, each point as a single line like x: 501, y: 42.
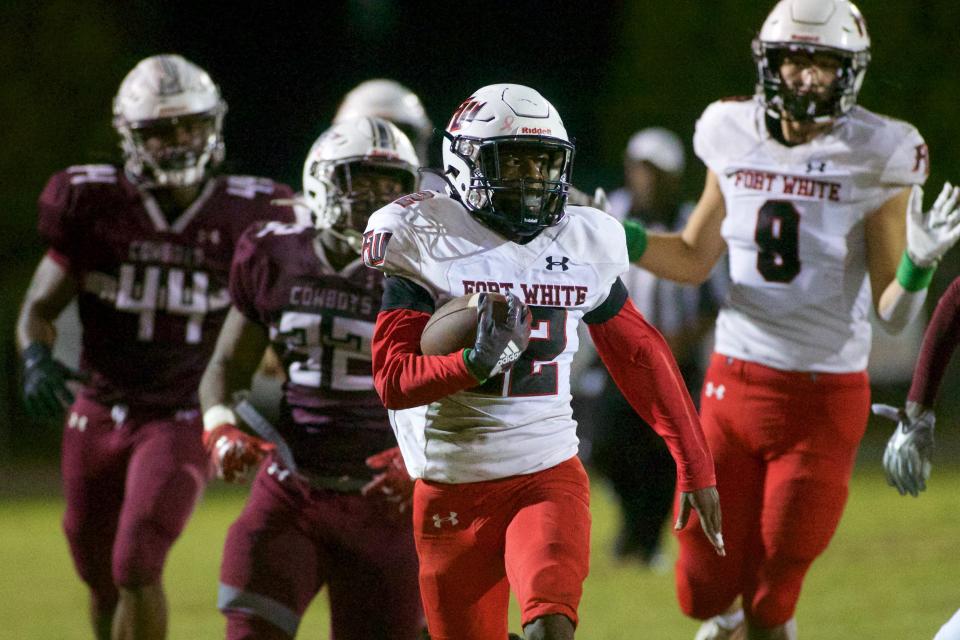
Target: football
x: 454, y: 325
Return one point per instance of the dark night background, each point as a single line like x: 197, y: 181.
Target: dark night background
x: 609, y: 68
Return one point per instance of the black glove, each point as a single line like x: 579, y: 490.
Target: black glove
x: 45, y: 391
x: 499, y: 344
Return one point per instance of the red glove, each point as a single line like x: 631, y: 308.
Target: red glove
x: 233, y: 452
x: 394, y: 483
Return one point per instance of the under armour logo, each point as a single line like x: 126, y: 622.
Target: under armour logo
x: 77, y: 421
x: 715, y: 390
x: 451, y: 519
x: 816, y: 166
x: 562, y: 263
x: 118, y: 413
x: 276, y: 470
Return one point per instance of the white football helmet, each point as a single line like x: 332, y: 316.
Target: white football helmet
x: 333, y: 160
x: 169, y: 115
x: 517, y: 116
x: 391, y: 101
x: 832, y: 26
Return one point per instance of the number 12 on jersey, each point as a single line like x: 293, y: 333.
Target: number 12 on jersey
x: 535, y: 373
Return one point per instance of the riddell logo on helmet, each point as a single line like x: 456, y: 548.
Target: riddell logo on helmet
x: 800, y: 37
x: 537, y: 131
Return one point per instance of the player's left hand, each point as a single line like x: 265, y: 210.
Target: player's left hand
x: 394, y: 482
x: 707, y: 503
x: 930, y: 235
x: 907, y: 458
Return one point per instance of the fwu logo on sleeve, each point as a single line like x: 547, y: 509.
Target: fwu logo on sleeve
x: 374, y: 247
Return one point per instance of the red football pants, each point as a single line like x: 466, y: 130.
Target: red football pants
x: 477, y: 540
x: 784, y: 445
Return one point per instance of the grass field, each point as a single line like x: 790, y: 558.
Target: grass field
x: 892, y: 572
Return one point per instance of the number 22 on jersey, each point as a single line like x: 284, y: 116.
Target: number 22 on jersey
x: 333, y: 352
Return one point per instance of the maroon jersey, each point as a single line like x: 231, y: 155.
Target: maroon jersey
x: 320, y: 323
x: 940, y: 340
x: 153, y: 293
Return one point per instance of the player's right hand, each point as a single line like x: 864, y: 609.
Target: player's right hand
x: 232, y: 452
x: 45, y: 391
x: 907, y: 460
x: 706, y: 501
x: 498, y: 344
x: 930, y: 235
x: 393, y: 481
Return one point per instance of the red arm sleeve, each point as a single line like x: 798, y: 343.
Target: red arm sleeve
x: 641, y: 364
x: 939, y: 342
x: 403, y: 377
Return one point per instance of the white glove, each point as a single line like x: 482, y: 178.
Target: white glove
x: 907, y: 458
x: 931, y: 234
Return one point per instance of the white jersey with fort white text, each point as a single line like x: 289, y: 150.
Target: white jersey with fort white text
x: 519, y: 422
x: 795, y: 230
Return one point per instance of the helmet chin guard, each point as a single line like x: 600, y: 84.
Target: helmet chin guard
x: 835, y: 27
x: 493, y: 127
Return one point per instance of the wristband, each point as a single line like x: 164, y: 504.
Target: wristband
x: 636, y: 239
x: 468, y: 364
x: 217, y: 415
x: 913, y: 278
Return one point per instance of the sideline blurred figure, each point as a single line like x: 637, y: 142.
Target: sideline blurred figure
x: 624, y: 449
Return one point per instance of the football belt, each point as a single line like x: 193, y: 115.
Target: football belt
x: 249, y: 414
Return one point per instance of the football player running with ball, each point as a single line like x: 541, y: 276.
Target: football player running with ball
x: 501, y: 499
x: 324, y: 518
x: 146, y: 250
x: 809, y: 193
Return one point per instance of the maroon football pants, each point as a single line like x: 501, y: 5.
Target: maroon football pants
x: 784, y: 445
x: 131, y: 483
x: 290, y: 542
